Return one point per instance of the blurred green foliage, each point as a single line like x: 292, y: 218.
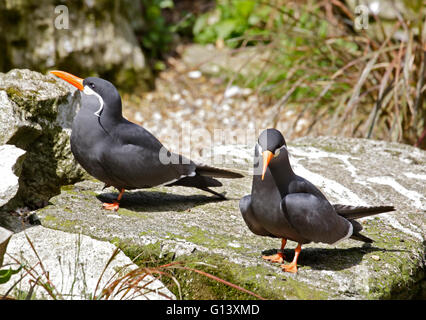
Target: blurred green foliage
x: 292, y: 41
x: 6, y: 274
x: 311, y: 51
x: 231, y: 19
x: 157, y: 34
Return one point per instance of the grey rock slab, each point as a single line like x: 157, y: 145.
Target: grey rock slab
x: 190, y: 223
x: 36, y: 114
x: 10, y: 165
x: 73, y: 264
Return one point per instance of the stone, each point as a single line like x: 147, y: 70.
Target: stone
x: 194, y: 227
x: 98, y: 38
x: 11, y: 159
x: 73, y: 264
x: 4, y: 240
x: 36, y: 114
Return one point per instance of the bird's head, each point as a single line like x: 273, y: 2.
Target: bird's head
x: 103, y: 90
x: 270, y: 142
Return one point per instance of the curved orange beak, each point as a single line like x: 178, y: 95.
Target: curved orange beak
x: 267, y: 156
x: 75, y: 81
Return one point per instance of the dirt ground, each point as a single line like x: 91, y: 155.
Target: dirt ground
x: 190, y: 111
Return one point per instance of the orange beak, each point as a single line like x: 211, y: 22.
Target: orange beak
x: 267, y: 156
x: 75, y: 81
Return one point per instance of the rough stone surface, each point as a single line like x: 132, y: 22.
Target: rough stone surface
x: 10, y: 166
x: 36, y: 113
x: 4, y: 240
x: 74, y: 264
x: 190, y: 224
x: 83, y: 36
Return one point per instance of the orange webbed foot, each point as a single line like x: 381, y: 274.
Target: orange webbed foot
x: 276, y: 258
x: 292, y: 267
x: 111, y: 206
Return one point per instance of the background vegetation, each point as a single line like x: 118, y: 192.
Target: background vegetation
x: 367, y: 83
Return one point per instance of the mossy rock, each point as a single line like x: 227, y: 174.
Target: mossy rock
x: 36, y: 115
x: 100, y: 39
x: 163, y: 225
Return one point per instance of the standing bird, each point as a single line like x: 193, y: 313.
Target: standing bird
x: 124, y: 155
x: 287, y: 206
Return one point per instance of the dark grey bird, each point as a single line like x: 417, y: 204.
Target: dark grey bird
x: 287, y: 206
x: 123, y: 154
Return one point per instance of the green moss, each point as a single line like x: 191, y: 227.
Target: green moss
x: 194, y: 285
x: 14, y: 93
x: 67, y: 188
x: 60, y: 224
x: 133, y: 214
x: 211, y: 240
x: 49, y: 219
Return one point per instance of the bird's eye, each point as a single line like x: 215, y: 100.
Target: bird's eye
x: 92, y: 85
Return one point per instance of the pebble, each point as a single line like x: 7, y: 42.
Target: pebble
x: 194, y: 74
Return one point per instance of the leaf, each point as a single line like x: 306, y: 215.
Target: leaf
x: 200, y: 24
x: 244, y: 7
x: 225, y: 28
x: 6, y: 274
x: 164, y: 4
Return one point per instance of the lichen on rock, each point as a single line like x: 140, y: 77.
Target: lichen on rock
x: 36, y: 116
x: 190, y: 226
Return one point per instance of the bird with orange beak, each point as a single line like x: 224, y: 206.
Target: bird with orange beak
x: 123, y: 154
x: 286, y: 206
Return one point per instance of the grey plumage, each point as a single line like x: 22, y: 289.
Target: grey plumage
x: 285, y: 205
x: 125, y: 155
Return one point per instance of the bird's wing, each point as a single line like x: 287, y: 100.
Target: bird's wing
x: 138, y: 157
x: 301, y: 185
x: 130, y: 133
x: 314, y: 218
x: 130, y: 166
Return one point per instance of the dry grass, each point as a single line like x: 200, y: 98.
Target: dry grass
x: 368, y: 83
x: 125, y: 283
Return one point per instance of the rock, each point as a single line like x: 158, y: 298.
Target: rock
x: 11, y: 159
x: 4, y: 240
x: 196, y: 228
x: 36, y: 113
x: 73, y: 264
x: 85, y: 37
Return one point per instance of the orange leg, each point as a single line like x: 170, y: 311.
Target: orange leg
x: 292, y: 267
x: 278, y: 257
x: 116, y: 204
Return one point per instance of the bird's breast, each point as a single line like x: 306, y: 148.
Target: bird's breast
x: 87, y: 141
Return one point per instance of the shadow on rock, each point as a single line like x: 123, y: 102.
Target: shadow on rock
x: 149, y: 201
x: 330, y: 258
